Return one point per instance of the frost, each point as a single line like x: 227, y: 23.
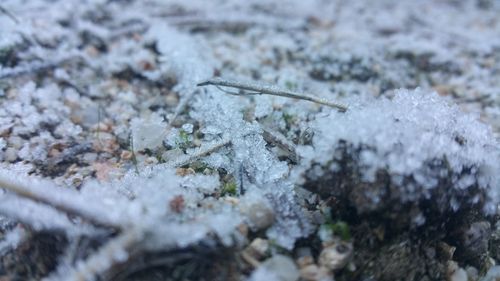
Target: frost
x: 85, y: 82
x: 12, y: 239
x: 404, y: 135
x: 221, y: 118
x: 278, y: 267
x: 148, y: 133
x: 188, y: 128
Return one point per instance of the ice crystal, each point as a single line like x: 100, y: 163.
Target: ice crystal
x: 403, y: 136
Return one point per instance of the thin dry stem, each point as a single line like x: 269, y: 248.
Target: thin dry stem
x: 116, y: 251
x: 258, y: 89
x: 184, y: 160
x: 281, y: 141
x: 65, y: 200
x: 9, y: 14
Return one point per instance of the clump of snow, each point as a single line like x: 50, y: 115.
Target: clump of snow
x: 145, y: 200
x: 278, y: 267
x: 220, y: 117
x: 12, y: 239
x: 405, y: 136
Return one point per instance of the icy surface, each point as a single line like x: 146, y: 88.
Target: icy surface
x: 403, y: 135
x: 101, y: 97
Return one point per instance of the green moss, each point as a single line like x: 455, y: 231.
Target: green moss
x: 290, y: 119
x: 229, y: 188
x: 184, y: 140
x: 340, y: 229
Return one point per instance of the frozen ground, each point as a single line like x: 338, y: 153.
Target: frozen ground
x: 116, y: 166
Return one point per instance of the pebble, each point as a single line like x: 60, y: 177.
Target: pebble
x: 10, y: 154
x: 313, y: 272
x: 89, y: 157
x: 258, y: 248
x: 283, y: 267
x: 336, y: 256
x: 126, y: 155
x: 16, y: 142
x: 304, y: 257
x: 259, y: 214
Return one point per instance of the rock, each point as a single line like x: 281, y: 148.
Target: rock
x: 259, y: 213
x: 304, y: 257
x: 336, y: 256
x: 258, y: 248
x: 10, y: 154
x: 472, y: 242
x: 278, y: 267
x: 381, y: 161
x: 313, y: 272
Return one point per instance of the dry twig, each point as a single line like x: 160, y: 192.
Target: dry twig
x: 259, y: 89
x: 9, y: 14
x: 65, y: 200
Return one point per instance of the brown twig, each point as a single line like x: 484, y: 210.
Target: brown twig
x: 258, y: 89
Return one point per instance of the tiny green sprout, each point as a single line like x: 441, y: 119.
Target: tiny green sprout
x: 340, y: 229
x: 183, y: 139
x: 183, y: 136
x: 229, y: 188
x: 289, y: 118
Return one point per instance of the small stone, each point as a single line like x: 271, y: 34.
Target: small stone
x: 16, y: 142
x: 105, y: 142
x: 104, y: 171
x: 336, y: 256
x: 258, y: 248
x: 184, y: 172
x: 126, y: 155
x: 90, y: 157
x: 171, y: 99
x: 231, y: 200
x: 10, y: 154
x: 151, y: 161
x: 305, y: 261
x: 313, y: 272
x: 304, y: 257
x: 169, y: 155
x: 259, y: 214
x: 445, y: 251
x: 76, y: 180
x: 177, y: 204
x: 101, y: 127
x: 243, y: 229
x: 283, y: 267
